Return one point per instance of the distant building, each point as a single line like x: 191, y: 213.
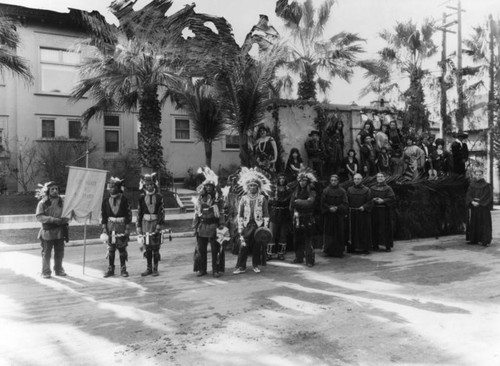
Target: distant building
x: 42, y: 112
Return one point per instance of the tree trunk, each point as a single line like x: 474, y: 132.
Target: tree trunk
x: 307, y: 86
x: 150, y: 149
x: 245, y: 157
x: 208, y: 153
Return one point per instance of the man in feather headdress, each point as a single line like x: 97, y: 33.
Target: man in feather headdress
x: 302, y: 206
x: 479, y: 202
x: 54, y: 231
x: 116, y: 218
x: 208, y: 217
x: 253, y: 213
x: 150, y: 220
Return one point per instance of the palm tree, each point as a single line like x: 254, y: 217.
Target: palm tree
x: 9, y: 60
x: 244, y: 85
x: 311, y: 55
x: 142, y: 58
x: 408, y: 47
x: 481, y: 48
x: 200, y: 101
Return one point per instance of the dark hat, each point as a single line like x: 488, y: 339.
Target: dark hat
x: 460, y: 135
x: 439, y: 141
x: 263, y: 235
x: 314, y: 132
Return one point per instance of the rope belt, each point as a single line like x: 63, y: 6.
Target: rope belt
x: 150, y: 217
x: 116, y: 219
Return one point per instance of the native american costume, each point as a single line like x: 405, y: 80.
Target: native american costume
x: 116, y: 218
x: 382, y: 233
x: 253, y: 213
x: 150, y: 221
x: 334, y: 207
x: 302, y: 206
x: 359, y: 220
x: 54, y: 231
x: 280, y: 218
x: 479, y: 217
x: 208, y: 216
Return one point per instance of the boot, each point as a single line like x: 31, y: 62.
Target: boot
x: 110, y: 272
x: 281, y: 251
x: 124, y: 272
x: 155, y: 271
x: 147, y: 272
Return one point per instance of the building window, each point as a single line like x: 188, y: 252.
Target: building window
x: 112, y: 141
x: 182, y: 129
x: 74, y: 129
x: 48, y: 128
x: 2, y: 148
x: 111, y: 134
x: 232, y: 142
x: 58, y: 70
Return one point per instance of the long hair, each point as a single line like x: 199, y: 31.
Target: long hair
x: 290, y: 157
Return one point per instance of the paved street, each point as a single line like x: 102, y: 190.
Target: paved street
x: 432, y: 302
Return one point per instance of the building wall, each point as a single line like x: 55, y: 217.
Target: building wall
x: 297, y: 121
x: 23, y: 106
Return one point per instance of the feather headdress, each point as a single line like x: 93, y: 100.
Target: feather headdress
x: 149, y: 179
x: 210, y: 178
x: 254, y: 176
x: 113, y: 181
x: 43, y: 189
x: 307, y: 173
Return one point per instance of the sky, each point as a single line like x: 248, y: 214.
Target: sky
x: 364, y: 17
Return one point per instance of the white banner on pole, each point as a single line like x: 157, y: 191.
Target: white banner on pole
x: 84, y: 193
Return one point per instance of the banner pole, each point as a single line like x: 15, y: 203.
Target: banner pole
x: 85, y: 223
x: 84, y: 244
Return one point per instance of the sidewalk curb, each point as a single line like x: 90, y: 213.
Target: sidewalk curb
x: 76, y: 243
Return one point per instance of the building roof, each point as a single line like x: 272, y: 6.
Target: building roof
x: 71, y: 19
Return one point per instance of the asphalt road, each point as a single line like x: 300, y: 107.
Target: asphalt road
x: 429, y: 302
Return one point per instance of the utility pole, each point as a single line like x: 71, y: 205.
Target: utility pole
x: 460, y: 91
x: 445, y: 125
x: 491, y: 94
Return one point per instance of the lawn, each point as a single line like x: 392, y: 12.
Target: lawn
x: 28, y: 236
x: 25, y: 203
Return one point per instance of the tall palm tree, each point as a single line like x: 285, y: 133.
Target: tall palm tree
x: 408, y: 47
x: 9, y: 60
x: 481, y: 47
x: 200, y: 101
x: 312, y: 54
x: 244, y: 85
x: 132, y: 65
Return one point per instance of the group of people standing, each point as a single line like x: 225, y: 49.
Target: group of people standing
x: 116, y: 223
x: 265, y: 214
x: 358, y: 219
x: 386, y: 151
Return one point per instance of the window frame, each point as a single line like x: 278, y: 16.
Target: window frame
x: 70, y: 120
x: 174, y: 128
x: 112, y: 128
x: 60, y: 62
x: 47, y: 119
x: 224, y: 143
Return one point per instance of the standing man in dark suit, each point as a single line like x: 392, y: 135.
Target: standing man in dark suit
x: 460, y: 153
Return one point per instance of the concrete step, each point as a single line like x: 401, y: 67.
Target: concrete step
x: 15, y: 219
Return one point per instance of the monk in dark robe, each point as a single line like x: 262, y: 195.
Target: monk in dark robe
x: 334, y: 208
x: 383, y: 199
x: 479, y: 202
x: 360, y: 228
